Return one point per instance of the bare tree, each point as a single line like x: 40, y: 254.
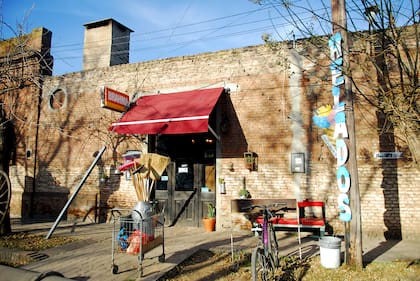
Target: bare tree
x: 382, y: 43
x: 24, y: 61
x: 388, y: 30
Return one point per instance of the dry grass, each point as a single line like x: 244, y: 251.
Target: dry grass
x: 22, y: 248
x: 384, y: 271
x: 206, y: 265
x: 32, y: 242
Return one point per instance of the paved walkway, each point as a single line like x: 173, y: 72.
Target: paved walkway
x: 89, y: 258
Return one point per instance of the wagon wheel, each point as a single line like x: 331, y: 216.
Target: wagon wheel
x: 5, y: 194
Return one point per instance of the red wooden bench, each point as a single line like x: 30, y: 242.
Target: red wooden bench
x: 298, y: 217
x: 289, y: 218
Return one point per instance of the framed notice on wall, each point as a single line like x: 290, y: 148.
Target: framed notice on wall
x: 298, y: 162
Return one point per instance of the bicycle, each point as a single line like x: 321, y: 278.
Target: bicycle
x: 265, y: 257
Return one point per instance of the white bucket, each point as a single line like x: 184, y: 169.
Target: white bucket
x: 330, y: 250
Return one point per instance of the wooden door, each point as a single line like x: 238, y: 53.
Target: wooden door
x: 180, y: 193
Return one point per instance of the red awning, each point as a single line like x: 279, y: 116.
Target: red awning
x: 174, y: 113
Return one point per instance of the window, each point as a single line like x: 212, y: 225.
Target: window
x: 57, y: 99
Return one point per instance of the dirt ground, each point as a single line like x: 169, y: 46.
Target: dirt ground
x: 206, y: 265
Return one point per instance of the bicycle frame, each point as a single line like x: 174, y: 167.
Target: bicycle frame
x: 264, y: 259
x: 264, y: 235
x: 264, y: 232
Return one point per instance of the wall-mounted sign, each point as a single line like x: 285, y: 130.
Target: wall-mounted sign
x: 388, y: 155
x: 114, y: 100
x: 298, y: 162
x: 183, y: 169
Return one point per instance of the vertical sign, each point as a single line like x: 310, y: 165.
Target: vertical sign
x: 340, y: 128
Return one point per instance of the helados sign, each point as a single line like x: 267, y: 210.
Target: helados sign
x: 333, y: 120
x: 340, y: 128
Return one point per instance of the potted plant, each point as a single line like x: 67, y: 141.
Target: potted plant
x: 244, y: 193
x: 209, y: 221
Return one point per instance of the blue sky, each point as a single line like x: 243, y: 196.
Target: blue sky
x: 162, y: 28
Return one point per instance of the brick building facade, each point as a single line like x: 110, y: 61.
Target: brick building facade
x: 274, y: 93
x: 24, y: 62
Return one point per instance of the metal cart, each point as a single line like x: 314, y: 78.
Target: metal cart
x: 134, y: 235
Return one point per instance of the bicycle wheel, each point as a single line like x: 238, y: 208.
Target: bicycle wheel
x: 261, y: 267
x: 5, y: 195
x: 273, y: 247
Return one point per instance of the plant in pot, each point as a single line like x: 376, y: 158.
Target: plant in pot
x: 244, y: 193
x: 209, y: 221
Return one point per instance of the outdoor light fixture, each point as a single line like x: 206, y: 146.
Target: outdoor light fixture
x: 222, y: 186
x: 250, y: 160
x: 231, y: 167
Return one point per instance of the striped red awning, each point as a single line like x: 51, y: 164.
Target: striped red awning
x: 174, y: 113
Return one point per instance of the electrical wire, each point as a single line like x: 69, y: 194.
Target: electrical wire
x: 167, y: 42
x: 243, y: 26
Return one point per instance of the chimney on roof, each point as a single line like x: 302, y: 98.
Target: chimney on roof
x: 107, y: 43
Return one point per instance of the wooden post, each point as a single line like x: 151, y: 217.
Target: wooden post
x: 353, y: 229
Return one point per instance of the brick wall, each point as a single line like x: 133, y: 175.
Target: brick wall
x: 23, y: 62
x: 269, y: 111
